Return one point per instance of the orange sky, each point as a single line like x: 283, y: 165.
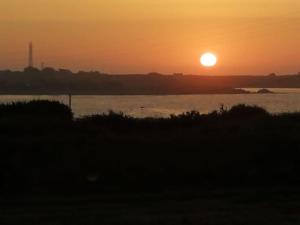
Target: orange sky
x: 139, y: 36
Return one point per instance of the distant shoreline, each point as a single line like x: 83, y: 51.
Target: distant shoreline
x: 49, y: 81
x: 235, y: 91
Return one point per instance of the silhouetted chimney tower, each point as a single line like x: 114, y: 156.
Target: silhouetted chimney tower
x: 30, y: 56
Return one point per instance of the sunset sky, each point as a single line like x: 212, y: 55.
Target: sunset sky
x: 140, y: 36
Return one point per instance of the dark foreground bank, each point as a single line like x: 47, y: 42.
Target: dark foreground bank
x: 264, y: 206
x: 44, y: 149
x: 236, y: 166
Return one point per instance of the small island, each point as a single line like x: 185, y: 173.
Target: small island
x: 264, y: 91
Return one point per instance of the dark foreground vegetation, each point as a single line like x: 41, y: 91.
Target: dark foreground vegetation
x: 231, y: 166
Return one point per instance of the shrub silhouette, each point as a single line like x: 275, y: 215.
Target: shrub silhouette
x: 191, y: 115
x: 243, y: 110
x: 43, y: 147
x: 36, y: 108
x: 34, y: 115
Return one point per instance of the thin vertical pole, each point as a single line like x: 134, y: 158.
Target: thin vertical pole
x: 70, y: 101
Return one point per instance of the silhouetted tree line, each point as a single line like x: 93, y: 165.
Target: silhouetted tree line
x: 63, y: 81
x: 45, y: 149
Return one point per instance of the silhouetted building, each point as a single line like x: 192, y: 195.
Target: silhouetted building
x: 30, y: 68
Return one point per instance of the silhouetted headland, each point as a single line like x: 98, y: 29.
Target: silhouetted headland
x: 62, y: 81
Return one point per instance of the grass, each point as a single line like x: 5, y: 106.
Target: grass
x: 234, y: 207
x: 232, y: 166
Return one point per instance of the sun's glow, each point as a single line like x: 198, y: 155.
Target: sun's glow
x: 208, y: 59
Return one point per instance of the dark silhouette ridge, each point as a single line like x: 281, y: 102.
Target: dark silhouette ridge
x: 113, y: 169
x: 44, y: 149
x: 62, y: 81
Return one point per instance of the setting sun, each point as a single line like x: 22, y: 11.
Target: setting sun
x: 208, y: 59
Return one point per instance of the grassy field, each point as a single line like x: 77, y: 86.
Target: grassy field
x: 259, y: 206
x: 210, y: 169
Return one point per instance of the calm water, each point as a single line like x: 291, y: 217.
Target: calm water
x: 284, y: 100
